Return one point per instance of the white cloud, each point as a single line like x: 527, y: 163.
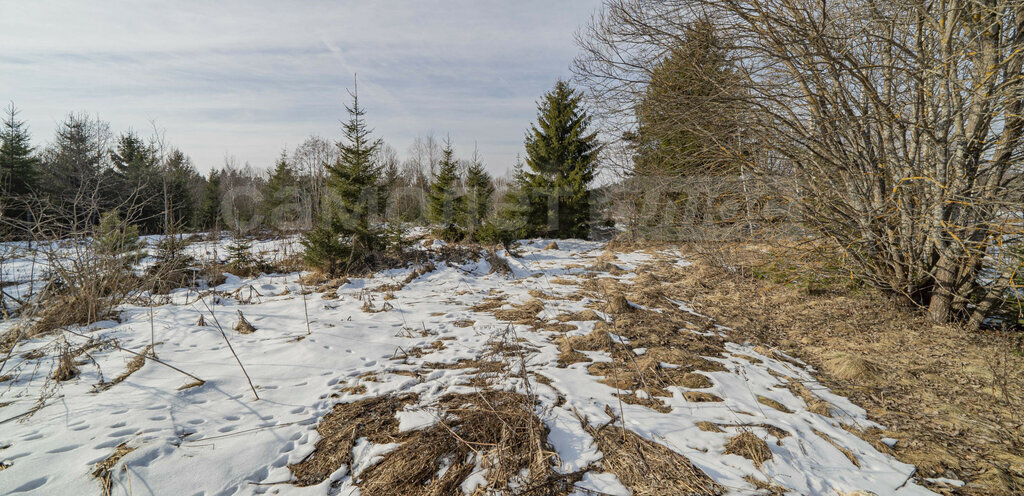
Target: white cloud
x: 248, y: 78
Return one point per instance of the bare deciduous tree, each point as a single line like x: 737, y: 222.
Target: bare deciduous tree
x: 901, y: 121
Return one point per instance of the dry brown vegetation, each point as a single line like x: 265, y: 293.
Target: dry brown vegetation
x: 499, y: 430
x: 649, y: 468
x: 952, y: 398
x: 102, y: 470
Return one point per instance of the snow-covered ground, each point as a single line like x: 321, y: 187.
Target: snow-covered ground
x: 219, y: 439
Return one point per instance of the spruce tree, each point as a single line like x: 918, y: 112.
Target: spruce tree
x: 562, y: 158
x: 280, y: 192
x: 18, y: 166
x: 345, y: 237
x: 208, y: 215
x: 445, y: 204
x: 479, y: 193
x: 180, y: 175
x: 136, y: 182
x: 72, y: 168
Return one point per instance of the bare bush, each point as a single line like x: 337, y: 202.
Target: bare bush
x: 901, y: 123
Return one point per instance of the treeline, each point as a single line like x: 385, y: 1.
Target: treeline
x: 339, y: 190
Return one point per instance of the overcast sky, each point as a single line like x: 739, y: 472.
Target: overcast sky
x: 250, y: 78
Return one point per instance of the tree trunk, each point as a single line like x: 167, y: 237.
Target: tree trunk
x: 940, y: 303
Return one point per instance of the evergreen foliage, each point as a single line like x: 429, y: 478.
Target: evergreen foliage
x: 688, y: 107
x: 552, y: 194
x: 345, y: 238
x: 445, y: 205
x: 18, y: 166
x: 280, y: 193
x: 134, y: 181
x: 117, y: 238
x: 72, y: 166
x: 208, y: 215
x: 479, y: 194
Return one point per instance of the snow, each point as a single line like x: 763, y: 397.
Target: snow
x: 218, y: 438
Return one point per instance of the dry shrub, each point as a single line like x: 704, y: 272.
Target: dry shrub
x: 749, y: 446
x: 69, y: 309
x: 497, y: 429
x: 103, y: 468
x: 648, y: 468
x: 372, y: 418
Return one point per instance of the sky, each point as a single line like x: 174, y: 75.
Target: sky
x: 248, y: 79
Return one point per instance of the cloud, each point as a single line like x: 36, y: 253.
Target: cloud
x: 248, y: 78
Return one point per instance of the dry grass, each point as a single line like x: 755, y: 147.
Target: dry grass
x: 845, y: 451
x: 373, y: 418
x: 498, y: 264
x: 848, y: 367
x: 521, y: 314
x: 618, y: 304
x: 243, y: 326
x: 133, y: 366
x: 497, y: 429
x: 66, y: 369
x: 814, y: 403
x: 649, y: 468
x: 102, y: 470
x: 952, y: 399
x: 749, y: 446
x: 764, y: 400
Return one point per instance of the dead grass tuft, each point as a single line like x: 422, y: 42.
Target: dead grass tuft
x: 749, y: 446
x: 243, y: 326
x: 66, y: 369
x: 845, y: 451
x: 133, y: 366
x: 648, y: 468
x: 497, y: 429
x: 522, y: 314
x: 701, y: 397
x: 849, y: 367
x: 102, y: 470
x: 618, y: 304
x: 498, y: 263
x: 764, y: 400
x: 373, y: 418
